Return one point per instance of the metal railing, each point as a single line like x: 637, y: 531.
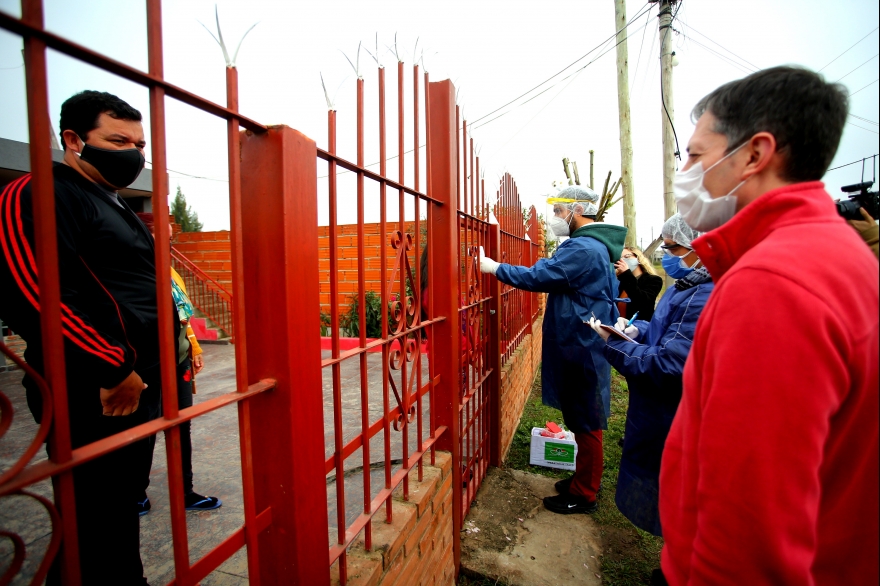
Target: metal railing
x: 516, y: 304
x: 206, y: 294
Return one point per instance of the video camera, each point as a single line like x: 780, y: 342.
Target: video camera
x: 870, y: 200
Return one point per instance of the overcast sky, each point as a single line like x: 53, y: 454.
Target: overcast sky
x: 493, y: 51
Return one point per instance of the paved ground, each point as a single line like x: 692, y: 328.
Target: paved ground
x: 509, y: 535
x: 217, y: 468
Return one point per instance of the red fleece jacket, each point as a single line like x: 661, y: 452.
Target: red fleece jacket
x: 770, y: 472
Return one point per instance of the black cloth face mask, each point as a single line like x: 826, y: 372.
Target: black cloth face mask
x: 120, y: 168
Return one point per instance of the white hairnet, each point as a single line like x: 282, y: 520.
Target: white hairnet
x: 578, y: 196
x: 678, y: 231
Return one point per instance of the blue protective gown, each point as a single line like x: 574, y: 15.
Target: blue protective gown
x: 579, y: 278
x: 653, y: 371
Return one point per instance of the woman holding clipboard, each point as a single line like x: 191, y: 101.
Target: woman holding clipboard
x: 653, y: 364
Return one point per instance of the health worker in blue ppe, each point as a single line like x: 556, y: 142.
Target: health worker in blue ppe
x: 575, y: 375
x: 653, y: 369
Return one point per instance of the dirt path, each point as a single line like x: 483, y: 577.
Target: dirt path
x: 509, y: 536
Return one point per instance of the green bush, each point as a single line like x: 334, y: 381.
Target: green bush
x: 373, y: 315
x: 325, y: 324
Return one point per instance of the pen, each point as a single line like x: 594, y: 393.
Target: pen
x: 632, y: 319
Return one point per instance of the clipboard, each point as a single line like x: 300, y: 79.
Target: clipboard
x: 618, y: 333
x: 615, y: 332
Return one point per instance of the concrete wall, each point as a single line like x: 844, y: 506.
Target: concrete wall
x: 415, y: 549
x: 517, y: 376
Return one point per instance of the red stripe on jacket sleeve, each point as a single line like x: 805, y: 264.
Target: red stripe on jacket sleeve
x: 27, y: 280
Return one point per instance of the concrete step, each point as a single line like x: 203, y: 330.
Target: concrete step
x: 208, y: 332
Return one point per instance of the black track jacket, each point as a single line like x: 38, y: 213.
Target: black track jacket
x: 108, y: 280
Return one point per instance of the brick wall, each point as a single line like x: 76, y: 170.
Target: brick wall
x: 211, y: 252
x: 416, y: 547
x: 517, y: 376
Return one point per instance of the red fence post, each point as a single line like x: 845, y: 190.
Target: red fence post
x: 444, y: 257
x: 493, y: 323
x: 280, y: 240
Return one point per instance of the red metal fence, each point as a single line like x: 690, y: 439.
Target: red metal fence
x: 397, y: 421
x: 420, y: 397
x: 518, y: 307
x: 477, y: 361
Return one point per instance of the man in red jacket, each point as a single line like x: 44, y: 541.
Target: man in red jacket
x: 770, y: 472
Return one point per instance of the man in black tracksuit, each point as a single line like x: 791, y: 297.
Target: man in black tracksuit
x: 109, y: 319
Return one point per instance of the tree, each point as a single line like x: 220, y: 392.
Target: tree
x: 184, y: 215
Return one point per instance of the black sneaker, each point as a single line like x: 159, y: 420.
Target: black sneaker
x: 197, y: 502
x: 569, y: 504
x: 144, y: 507
x: 563, y: 486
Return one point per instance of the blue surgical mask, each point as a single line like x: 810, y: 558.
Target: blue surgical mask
x: 675, y: 266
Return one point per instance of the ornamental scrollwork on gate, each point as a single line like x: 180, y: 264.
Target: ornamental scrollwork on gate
x: 405, y: 319
x: 471, y: 320
x: 6, y: 415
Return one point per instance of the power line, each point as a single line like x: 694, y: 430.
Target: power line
x: 848, y: 50
x: 167, y: 170
x: 862, y: 127
x: 475, y: 126
x: 724, y: 58
x: 864, y: 87
x: 574, y: 73
x: 752, y: 65
x: 569, y: 66
x: 865, y: 120
x: 860, y: 66
x: 741, y: 67
x: 544, y: 107
x: 641, y: 46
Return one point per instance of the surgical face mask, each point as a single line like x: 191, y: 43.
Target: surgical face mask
x: 699, y: 209
x: 632, y: 263
x: 119, y: 167
x: 675, y: 266
x: 560, y: 227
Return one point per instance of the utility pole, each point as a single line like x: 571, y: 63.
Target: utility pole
x: 591, y: 168
x: 623, y: 113
x: 666, y: 105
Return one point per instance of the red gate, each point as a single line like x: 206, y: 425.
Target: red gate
x: 402, y: 413
x: 477, y: 362
x: 516, y: 305
x: 436, y: 395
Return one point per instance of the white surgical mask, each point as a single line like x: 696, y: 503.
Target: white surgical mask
x: 632, y: 263
x: 698, y: 208
x: 559, y: 226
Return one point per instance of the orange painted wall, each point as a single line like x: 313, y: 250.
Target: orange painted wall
x: 211, y: 252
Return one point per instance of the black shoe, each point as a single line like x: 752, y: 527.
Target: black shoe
x: 569, y: 504
x: 197, y: 502
x: 563, y: 486
x: 144, y: 507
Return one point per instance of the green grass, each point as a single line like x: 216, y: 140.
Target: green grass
x: 629, y: 553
